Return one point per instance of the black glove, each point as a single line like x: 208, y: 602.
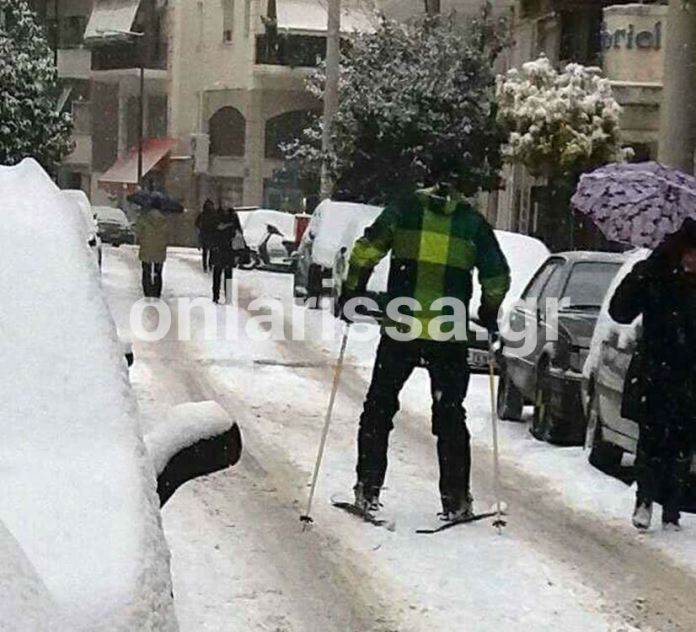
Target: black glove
x: 488, y: 318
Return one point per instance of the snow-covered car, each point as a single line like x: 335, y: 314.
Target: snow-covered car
x: 114, y: 227
x: 81, y: 486
x: 79, y: 197
x: 609, y: 435
x: 524, y: 255
x: 542, y: 356
x: 334, y: 227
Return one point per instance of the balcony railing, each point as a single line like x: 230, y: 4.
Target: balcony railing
x: 122, y: 56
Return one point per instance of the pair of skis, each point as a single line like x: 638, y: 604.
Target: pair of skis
x: 370, y: 518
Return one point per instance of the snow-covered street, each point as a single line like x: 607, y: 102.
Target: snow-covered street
x: 568, y: 559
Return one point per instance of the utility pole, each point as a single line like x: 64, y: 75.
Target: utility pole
x: 678, y: 110
x: 333, y: 60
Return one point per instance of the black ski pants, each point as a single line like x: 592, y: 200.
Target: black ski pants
x: 152, y: 279
x: 663, y: 460
x: 446, y: 362
x: 218, y: 273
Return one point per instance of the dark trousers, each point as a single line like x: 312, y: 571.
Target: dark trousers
x: 446, y: 362
x: 205, y: 253
x: 152, y: 279
x: 218, y: 272
x: 663, y: 460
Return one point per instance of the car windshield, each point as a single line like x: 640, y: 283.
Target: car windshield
x: 588, y: 283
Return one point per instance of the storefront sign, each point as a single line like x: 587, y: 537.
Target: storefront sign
x: 631, y: 38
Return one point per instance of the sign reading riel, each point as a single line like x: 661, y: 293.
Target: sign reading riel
x: 630, y: 38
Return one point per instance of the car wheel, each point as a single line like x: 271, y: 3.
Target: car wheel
x: 603, y: 455
x: 541, y: 425
x: 509, y: 401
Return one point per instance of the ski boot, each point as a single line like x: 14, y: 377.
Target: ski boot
x: 456, y: 508
x: 366, y: 498
x: 642, y: 515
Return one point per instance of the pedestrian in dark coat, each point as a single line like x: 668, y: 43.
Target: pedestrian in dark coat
x: 206, y: 223
x: 660, y: 390
x: 227, y: 242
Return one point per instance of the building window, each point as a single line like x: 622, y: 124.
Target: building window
x: 227, y: 20
x: 285, y: 128
x: 581, y: 36
x: 290, y: 50
x: 227, y: 129
x: 157, y: 116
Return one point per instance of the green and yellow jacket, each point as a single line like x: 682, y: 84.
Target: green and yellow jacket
x: 435, y: 244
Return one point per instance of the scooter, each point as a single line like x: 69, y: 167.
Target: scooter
x: 261, y: 259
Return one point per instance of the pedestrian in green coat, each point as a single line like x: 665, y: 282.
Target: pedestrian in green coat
x: 151, y: 229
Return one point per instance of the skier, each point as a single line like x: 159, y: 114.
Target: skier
x: 227, y: 242
x: 436, y: 239
x: 151, y: 229
x: 206, y: 223
x: 660, y: 386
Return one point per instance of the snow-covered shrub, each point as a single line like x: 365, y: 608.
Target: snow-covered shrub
x: 558, y: 123
x: 30, y: 123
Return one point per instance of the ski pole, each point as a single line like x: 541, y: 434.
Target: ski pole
x: 499, y: 523
x: 306, y: 518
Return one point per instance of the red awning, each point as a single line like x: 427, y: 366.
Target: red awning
x: 123, y: 174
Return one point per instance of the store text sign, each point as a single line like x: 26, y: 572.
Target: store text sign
x: 630, y: 38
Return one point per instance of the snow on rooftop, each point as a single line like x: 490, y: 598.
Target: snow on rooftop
x: 78, y: 488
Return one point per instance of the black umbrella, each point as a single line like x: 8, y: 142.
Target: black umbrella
x: 155, y: 199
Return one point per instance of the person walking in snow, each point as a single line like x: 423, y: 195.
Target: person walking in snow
x: 151, y: 229
x: 226, y: 244
x: 436, y: 239
x: 660, y: 387
x: 206, y: 223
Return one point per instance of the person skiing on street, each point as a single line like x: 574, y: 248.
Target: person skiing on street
x: 436, y: 239
x: 151, y: 229
x: 206, y: 223
x: 226, y: 244
x: 660, y: 386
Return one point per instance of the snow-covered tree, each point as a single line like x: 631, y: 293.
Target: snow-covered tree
x: 30, y: 124
x: 417, y: 105
x: 558, y: 125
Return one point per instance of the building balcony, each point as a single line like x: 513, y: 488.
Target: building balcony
x: 74, y: 63
x: 272, y: 77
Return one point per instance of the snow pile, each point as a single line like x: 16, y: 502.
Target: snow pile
x: 185, y: 425
x: 78, y: 488
x: 606, y: 325
x: 25, y: 604
x: 335, y: 225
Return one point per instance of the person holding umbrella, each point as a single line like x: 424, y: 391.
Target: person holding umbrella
x: 227, y: 241
x: 651, y: 206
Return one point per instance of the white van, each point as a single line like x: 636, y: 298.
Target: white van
x: 334, y: 227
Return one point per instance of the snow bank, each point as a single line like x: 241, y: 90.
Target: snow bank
x: 186, y: 424
x: 78, y: 487
x: 606, y: 325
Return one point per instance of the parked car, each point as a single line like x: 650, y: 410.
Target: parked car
x: 114, y: 227
x: 81, y: 535
x: 524, y: 255
x: 334, y: 225
x: 544, y: 367
x: 79, y: 197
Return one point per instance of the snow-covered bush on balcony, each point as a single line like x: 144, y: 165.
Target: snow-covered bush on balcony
x: 558, y: 123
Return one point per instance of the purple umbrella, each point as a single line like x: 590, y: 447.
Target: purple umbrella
x: 637, y: 203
